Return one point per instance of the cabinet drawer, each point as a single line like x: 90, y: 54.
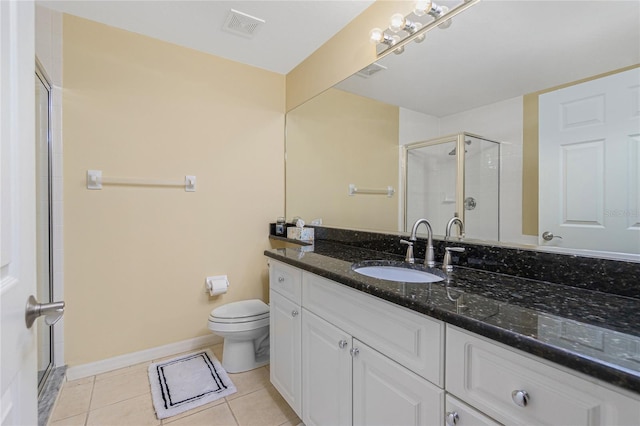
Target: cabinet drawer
x: 411, y: 339
x: 460, y: 414
x: 286, y: 280
x: 486, y: 375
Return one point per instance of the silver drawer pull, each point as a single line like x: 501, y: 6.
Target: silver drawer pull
x: 294, y: 313
x: 520, y: 398
x: 354, y: 351
x: 342, y: 344
x: 452, y: 418
x: 280, y: 279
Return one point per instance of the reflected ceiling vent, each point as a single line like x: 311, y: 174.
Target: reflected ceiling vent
x: 367, y: 72
x: 241, y: 24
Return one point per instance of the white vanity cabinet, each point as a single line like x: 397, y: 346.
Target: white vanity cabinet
x: 347, y: 382
x: 366, y: 361
x: 516, y: 388
x: 285, y: 332
x: 362, y: 360
x: 340, y: 356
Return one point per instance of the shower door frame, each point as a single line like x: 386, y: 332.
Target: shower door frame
x: 46, y: 82
x: 459, y: 139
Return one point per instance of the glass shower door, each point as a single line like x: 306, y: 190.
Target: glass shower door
x: 431, y: 184
x: 482, y: 188
x: 43, y: 222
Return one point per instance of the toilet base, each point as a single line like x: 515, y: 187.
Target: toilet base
x: 240, y: 356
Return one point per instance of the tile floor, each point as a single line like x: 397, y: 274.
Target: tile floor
x: 123, y: 397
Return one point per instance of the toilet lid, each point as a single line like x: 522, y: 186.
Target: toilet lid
x: 242, y: 309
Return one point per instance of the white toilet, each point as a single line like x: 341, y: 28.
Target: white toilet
x: 245, y: 328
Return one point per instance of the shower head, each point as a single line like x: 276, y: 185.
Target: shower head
x: 453, y: 151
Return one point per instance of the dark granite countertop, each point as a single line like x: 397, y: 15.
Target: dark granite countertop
x: 588, y: 331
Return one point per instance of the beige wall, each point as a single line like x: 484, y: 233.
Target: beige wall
x: 354, y: 137
x: 136, y: 257
x: 344, y: 54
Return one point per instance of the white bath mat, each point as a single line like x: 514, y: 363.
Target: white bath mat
x: 186, y: 382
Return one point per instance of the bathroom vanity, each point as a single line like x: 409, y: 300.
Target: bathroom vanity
x: 476, y: 348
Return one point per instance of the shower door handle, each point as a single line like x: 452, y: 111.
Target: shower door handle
x: 52, y: 311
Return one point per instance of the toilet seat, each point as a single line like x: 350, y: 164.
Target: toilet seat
x: 240, y: 312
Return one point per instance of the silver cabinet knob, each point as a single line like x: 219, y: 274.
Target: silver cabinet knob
x: 520, y: 398
x: 354, y: 351
x: 294, y: 313
x: 452, y: 418
x: 280, y: 279
x: 52, y: 311
x: 548, y: 236
x: 342, y: 344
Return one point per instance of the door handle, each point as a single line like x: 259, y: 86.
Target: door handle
x: 52, y: 311
x: 548, y: 236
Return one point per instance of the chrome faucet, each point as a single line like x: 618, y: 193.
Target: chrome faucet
x: 446, y: 262
x: 453, y: 220
x: 429, y: 255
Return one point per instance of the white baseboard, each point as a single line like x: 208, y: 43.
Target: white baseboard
x: 127, y: 360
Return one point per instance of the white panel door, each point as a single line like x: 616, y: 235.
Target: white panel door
x: 285, y: 349
x: 326, y: 363
x: 18, y: 379
x: 385, y: 393
x: 589, y: 146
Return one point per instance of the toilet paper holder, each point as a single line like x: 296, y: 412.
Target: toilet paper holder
x: 216, y: 285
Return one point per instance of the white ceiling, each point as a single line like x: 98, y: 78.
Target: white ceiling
x: 293, y: 30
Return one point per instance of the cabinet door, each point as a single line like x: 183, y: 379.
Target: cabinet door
x: 385, y: 393
x: 326, y: 362
x: 457, y: 413
x: 285, y: 349
x: 514, y: 388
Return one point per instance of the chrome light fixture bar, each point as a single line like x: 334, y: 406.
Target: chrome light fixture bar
x: 395, y: 44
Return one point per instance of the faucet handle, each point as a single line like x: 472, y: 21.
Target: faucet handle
x: 409, y: 256
x: 446, y: 263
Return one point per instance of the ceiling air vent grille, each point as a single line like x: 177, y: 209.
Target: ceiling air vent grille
x: 241, y: 24
x: 370, y: 70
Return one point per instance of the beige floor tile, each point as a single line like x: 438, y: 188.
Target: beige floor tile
x: 217, y: 351
x: 194, y: 410
x: 121, y: 371
x: 263, y: 407
x: 219, y: 415
x: 110, y: 390
x: 78, y: 420
x: 295, y: 422
x: 249, y: 381
x: 134, y: 412
x: 74, y: 399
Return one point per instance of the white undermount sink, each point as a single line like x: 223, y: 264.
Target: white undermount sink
x: 396, y: 273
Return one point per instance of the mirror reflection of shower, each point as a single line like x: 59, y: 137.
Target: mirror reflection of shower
x: 439, y: 185
x: 453, y: 151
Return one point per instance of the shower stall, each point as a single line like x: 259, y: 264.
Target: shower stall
x: 457, y: 175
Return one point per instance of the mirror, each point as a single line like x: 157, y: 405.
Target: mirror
x: 482, y: 75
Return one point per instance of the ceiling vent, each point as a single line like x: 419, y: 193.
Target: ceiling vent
x: 370, y: 70
x: 241, y: 24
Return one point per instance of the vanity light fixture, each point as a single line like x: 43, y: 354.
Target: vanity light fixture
x: 414, y: 29
x: 400, y: 23
x: 378, y: 36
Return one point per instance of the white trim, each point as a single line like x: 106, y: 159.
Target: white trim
x: 127, y: 360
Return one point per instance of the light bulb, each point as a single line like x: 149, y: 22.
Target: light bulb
x: 376, y: 36
x: 396, y: 39
x: 397, y: 22
x: 447, y: 23
x: 422, y: 7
